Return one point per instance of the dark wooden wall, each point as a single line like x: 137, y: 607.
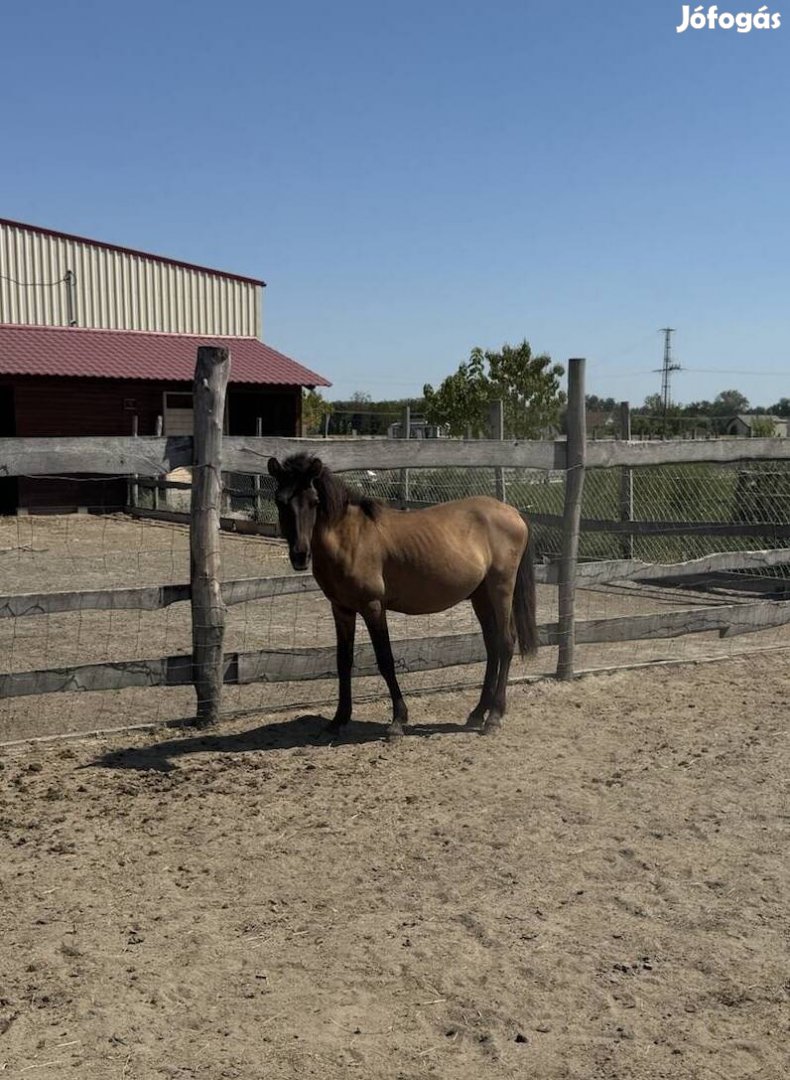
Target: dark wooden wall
x: 38, y: 407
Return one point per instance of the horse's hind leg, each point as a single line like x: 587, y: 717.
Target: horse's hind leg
x: 485, y: 616
x: 375, y: 617
x: 505, y: 644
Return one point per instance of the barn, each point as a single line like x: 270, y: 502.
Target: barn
x: 97, y: 339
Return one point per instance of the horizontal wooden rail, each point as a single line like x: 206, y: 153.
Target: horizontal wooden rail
x: 150, y: 483
x: 113, y: 456
x: 227, y: 524
x: 148, y: 598
x: 247, y: 455
x: 411, y: 654
x: 599, y: 573
x: 244, y: 590
x: 607, y: 455
x: 156, y: 456
x: 665, y: 528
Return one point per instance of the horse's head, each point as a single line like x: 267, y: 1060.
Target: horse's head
x: 297, y: 503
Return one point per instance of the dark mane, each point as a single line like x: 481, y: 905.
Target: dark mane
x: 334, y: 496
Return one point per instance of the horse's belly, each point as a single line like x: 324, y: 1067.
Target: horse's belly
x: 424, y: 594
x: 423, y: 606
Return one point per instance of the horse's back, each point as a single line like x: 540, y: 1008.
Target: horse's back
x: 478, y: 515
x: 437, y: 556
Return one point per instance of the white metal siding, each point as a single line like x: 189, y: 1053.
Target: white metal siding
x: 117, y: 290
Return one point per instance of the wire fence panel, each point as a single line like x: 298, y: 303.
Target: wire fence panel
x: 754, y: 497
x: 678, y: 513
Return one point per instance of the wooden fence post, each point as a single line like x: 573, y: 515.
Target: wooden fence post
x: 496, y: 430
x: 155, y: 492
x: 208, y: 608
x: 574, y: 487
x: 405, y: 484
x: 626, y: 484
x: 134, y: 487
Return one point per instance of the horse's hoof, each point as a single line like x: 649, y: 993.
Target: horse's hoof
x: 475, y: 720
x: 334, y: 727
x: 394, y: 731
x: 492, y: 725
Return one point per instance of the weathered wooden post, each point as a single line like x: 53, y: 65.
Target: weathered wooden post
x: 208, y: 608
x: 405, y: 484
x: 626, y: 484
x: 155, y: 497
x: 134, y: 487
x: 571, y: 518
x: 496, y: 430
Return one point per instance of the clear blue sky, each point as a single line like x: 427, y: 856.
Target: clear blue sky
x: 415, y: 179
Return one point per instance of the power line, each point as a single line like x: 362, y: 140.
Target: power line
x: 34, y: 284
x: 732, y: 371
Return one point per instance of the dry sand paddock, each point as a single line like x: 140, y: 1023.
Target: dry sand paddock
x: 598, y: 892
x: 82, y: 552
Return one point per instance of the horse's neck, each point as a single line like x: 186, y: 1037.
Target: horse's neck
x: 336, y: 540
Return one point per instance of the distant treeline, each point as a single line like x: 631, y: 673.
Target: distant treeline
x: 363, y: 416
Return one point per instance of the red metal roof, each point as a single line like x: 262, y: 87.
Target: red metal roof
x: 78, y: 352
x: 128, y: 251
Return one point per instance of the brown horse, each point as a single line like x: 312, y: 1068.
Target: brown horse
x: 370, y: 559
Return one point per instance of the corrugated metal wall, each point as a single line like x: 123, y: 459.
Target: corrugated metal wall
x: 117, y: 289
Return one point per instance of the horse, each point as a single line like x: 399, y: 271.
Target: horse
x: 369, y: 559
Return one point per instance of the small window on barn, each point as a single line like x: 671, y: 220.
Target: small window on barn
x: 178, y: 414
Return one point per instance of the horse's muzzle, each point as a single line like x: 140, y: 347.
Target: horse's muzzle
x: 300, y: 561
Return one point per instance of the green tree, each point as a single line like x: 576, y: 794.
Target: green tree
x: 315, y: 409
x: 599, y: 404
x: 527, y: 385
x: 781, y: 408
x: 653, y: 406
x: 730, y: 403
x: 762, y: 427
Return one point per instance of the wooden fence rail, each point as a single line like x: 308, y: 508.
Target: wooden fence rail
x: 151, y: 456
x: 244, y: 590
x: 666, y: 528
x: 411, y: 654
x: 148, y: 597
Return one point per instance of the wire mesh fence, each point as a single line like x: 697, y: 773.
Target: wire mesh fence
x: 77, y: 552
x: 83, y: 551
x: 707, y: 498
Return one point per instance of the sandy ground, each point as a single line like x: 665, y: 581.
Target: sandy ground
x: 599, y: 891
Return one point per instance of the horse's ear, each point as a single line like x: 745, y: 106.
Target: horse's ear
x: 274, y: 467
x: 316, y: 468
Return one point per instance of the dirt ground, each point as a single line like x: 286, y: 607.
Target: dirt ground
x: 597, y: 892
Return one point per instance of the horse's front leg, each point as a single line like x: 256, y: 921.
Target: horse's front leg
x: 375, y: 616
x: 345, y: 626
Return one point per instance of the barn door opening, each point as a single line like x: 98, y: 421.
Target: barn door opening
x: 178, y: 413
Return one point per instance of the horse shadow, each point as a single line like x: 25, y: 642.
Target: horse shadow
x: 300, y: 732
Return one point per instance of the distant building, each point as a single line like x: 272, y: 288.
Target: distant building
x: 97, y: 339
x: 749, y: 425
x: 419, y: 428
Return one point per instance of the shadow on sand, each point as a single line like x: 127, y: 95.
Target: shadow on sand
x: 302, y: 731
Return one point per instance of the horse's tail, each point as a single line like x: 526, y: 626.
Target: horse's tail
x: 524, y: 623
